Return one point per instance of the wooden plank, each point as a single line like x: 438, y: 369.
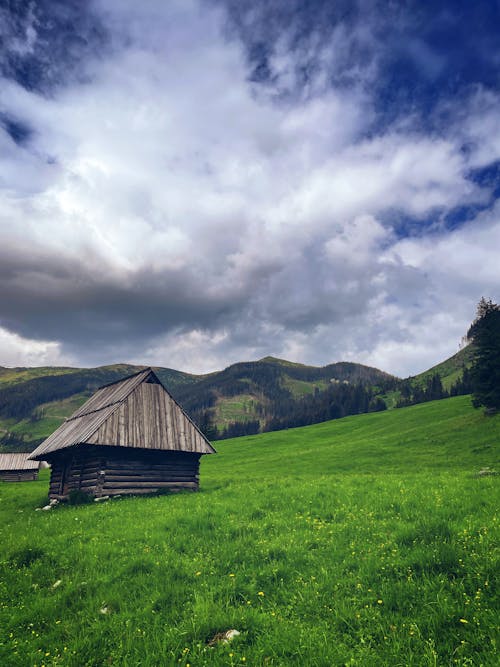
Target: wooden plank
x: 141, y: 485
x: 157, y: 468
x: 89, y: 486
x: 23, y: 476
x: 139, y: 492
x: 151, y: 475
x: 150, y: 465
x: 149, y: 479
x: 136, y: 465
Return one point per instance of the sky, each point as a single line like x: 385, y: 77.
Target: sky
x: 193, y: 183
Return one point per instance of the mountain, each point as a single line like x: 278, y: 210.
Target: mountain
x: 34, y: 401
x: 248, y: 397
x: 245, y: 398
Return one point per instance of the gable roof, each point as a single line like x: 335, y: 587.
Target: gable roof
x: 134, y: 412
x: 17, y: 462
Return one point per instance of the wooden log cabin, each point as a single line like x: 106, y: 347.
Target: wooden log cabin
x: 18, y: 468
x: 130, y: 437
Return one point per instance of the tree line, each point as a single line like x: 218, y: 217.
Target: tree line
x: 432, y: 389
x: 338, y: 400
x: 484, y: 334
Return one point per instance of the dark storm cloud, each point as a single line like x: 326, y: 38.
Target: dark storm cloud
x: 50, y: 297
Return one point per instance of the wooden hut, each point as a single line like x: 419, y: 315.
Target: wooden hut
x: 130, y: 437
x: 18, y: 468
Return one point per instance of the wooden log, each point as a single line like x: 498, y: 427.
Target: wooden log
x: 151, y: 471
x: 85, y: 475
x: 87, y: 483
x: 132, y: 465
x: 140, y: 485
x: 89, y: 489
x: 149, y: 480
x: 21, y: 476
x: 153, y: 463
x: 147, y: 474
x: 139, y: 492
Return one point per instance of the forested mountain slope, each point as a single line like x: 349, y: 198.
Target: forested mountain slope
x: 245, y: 398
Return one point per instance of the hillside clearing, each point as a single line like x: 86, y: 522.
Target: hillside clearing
x: 365, y: 541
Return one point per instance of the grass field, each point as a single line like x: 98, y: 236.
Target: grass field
x: 300, y: 388
x: 366, y: 541
x: 239, y: 408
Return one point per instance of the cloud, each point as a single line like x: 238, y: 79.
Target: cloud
x: 171, y: 207
x: 18, y: 351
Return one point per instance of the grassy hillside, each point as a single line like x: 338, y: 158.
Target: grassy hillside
x: 10, y: 376
x: 365, y: 541
x: 450, y: 370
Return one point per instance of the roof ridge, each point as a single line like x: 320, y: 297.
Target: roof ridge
x: 116, y: 401
x: 128, y: 377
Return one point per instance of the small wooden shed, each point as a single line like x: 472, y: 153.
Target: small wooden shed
x: 18, y: 468
x: 130, y: 437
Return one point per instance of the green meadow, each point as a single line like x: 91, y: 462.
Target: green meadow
x: 368, y: 541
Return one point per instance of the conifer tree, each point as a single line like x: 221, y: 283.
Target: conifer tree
x: 484, y: 333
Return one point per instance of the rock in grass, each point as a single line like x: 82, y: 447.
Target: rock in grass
x: 486, y: 472
x: 53, y: 503
x: 99, y: 500
x: 224, y: 637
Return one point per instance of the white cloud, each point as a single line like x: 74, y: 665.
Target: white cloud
x: 480, y: 127
x: 19, y: 351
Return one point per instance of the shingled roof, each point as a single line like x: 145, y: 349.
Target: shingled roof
x: 17, y: 462
x: 134, y: 412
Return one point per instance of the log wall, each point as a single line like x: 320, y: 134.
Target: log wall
x: 19, y: 475
x: 108, y: 471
